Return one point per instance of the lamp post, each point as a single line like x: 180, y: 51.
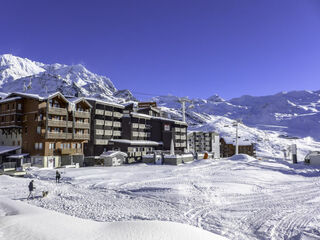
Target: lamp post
x: 236, y: 124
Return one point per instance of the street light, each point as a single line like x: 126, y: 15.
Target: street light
x: 236, y: 124
x: 183, y: 101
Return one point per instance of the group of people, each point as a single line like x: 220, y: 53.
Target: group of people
x: 32, y: 188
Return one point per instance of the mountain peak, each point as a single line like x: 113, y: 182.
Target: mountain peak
x: 215, y: 98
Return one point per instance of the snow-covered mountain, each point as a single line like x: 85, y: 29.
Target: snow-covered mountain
x: 283, y: 115
x: 295, y: 113
x: 23, y: 75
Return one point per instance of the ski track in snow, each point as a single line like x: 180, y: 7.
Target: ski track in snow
x: 237, y: 199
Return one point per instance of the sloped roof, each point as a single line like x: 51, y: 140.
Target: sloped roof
x: 113, y: 153
x: 6, y: 149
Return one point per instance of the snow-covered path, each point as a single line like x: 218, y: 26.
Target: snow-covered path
x: 240, y: 198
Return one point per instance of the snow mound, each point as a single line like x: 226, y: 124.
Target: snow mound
x: 242, y: 157
x: 22, y: 221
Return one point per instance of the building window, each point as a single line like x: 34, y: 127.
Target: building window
x: 8, y: 106
x: 74, y: 145
x: 18, y: 143
x: 36, y: 146
x: 19, y: 106
x: 52, y: 146
x: 38, y: 129
x: 13, y: 143
x: 40, y: 145
x: 25, y: 130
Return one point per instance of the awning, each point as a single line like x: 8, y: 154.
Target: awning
x: 6, y: 149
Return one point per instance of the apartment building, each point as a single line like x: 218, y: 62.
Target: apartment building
x: 51, y: 129
x: 200, y: 142
x: 145, y: 131
x: 106, y: 124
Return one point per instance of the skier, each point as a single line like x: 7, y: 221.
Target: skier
x: 31, y: 188
x: 58, y: 176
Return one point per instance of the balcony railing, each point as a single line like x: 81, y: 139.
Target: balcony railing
x: 99, y: 112
x: 117, y: 114
x: 117, y: 133
x: 82, y: 136
x: 108, y: 132
x: 117, y: 124
x: 81, y: 125
x: 80, y: 114
x: 108, y: 113
x: 108, y: 123
x: 99, y: 122
x: 57, y: 123
x: 101, y: 142
x: 99, y: 132
x: 57, y: 111
x: 59, y: 135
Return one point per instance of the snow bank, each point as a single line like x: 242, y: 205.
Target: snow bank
x: 22, y: 221
x: 242, y: 157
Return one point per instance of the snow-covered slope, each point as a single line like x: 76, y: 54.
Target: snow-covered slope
x: 23, y: 221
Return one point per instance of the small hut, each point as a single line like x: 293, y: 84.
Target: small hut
x: 113, y: 158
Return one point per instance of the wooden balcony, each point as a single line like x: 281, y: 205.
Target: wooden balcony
x: 82, y: 136
x: 57, y: 123
x: 59, y: 135
x: 57, y: 111
x: 70, y: 151
x: 81, y: 125
x: 79, y: 114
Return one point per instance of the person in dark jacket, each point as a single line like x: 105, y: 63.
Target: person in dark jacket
x: 58, y: 176
x: 31, y: 189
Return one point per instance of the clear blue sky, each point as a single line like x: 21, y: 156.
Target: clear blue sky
x: 186, y: 48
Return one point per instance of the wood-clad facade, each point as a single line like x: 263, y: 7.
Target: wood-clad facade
x: 52, y: 130
x: 228, y: 148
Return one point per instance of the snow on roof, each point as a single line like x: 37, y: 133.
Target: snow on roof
x: 76, y: 100
x: 104, y: 102
x: 113, y: 153
x: 171, y: 120
x: 18, y: 155
x: 9, y: 99
x: 150, y: 108
x: 136, y: 142
x: 36, y: 96
x: 5, y: 149
x: 141, y: 115
x: 3, y: 95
